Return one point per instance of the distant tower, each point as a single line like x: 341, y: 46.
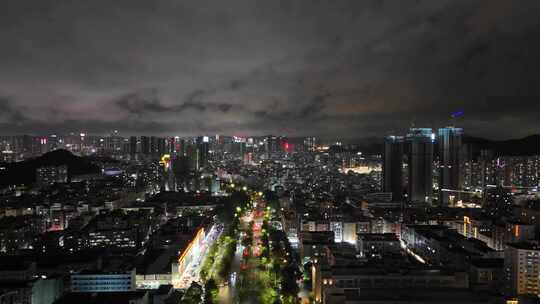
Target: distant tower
x: 182, y: 170
x: 309, y: 143
x: 203, y: 152
x: 419, y: 150
x: 393, y: 167
x: 271, y: 144
x: 449, y: 142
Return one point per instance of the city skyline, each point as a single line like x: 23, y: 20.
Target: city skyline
x: 330, y: 69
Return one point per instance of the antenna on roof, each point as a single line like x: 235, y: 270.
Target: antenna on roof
x: 458, y: 113
x: 455, y: 115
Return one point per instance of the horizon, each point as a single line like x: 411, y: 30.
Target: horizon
x: 351, y: 140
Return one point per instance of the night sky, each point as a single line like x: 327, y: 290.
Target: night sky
x: 333, y: 69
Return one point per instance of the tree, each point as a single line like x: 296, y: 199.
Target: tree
x: 193, y: 294
x: 210, y: 291
x: 288, y: 284
x: 272, y: 199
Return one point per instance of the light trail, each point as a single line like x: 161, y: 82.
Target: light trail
x: 191, y: 272
x: 417, y: 257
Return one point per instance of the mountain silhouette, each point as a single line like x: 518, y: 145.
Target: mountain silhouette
x: 529, y: 145
x: 24, y: 173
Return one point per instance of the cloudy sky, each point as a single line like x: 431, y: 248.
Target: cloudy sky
x: 334, y: 69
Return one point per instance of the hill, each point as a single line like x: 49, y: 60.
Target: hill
x: 25, y: 172
x: 529, y: 145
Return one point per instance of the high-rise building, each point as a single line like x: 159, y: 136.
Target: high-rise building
x: 271, y: 144
x: 284, y: 145
x: 157, y: 147
x: 488, y: 166
x: 145, y: 145
x: 522, y: 269
x: 170, y: 145
x: 239, y: 145
x: 449, y: 143
x: 182, y: 170
x: 53, y: 142
x: 393, y: 167
x: 113, y: 142
x: 469, y: 167
x: 522, y: 171
x: 132, y: 146
x: 309, y: 143
x: 161, y: 146
x: 203, y: 151
x: 419, y: 151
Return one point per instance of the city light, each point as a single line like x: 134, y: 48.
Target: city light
x: 270, y: 152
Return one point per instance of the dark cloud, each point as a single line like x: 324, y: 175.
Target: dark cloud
x: 145, y: 103
x: 10, y: 113
x: 315, y: 106
x: 342, y: 68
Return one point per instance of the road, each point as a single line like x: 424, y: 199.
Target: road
x: 248, y: 276
x: 247, y: 259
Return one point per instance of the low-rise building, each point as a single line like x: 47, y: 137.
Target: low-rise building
x: 340, y: 278
x: 377, y: 244
x: 96, y: 281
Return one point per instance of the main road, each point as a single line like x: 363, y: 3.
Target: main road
x: 244, y: 261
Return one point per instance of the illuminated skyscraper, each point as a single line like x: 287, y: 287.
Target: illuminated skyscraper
x: 203, y: 152
x: 393, y: 166
x: 419, y: 146
x: 449, y: 142
x: 284, y: 144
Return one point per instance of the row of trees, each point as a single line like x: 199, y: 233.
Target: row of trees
x: 280, y: 261
x: 218, y: 261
